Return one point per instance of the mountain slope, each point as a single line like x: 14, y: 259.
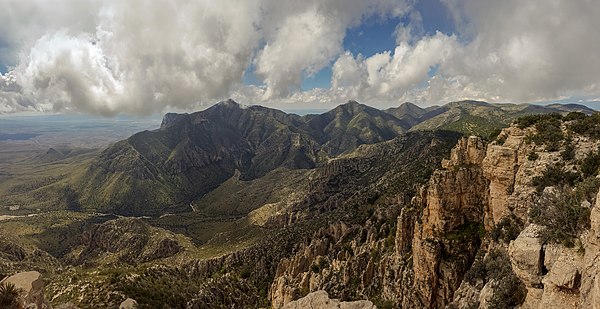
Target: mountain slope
x: 475, y: 117
x: 191, y: 154
x: 413, y: 114
x: 345, y: 127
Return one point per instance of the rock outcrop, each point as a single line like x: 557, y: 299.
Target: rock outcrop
x: 31, y: 286
x: 320, y: 299
x: 527, y: 256
x: 128, y: 304
x: 590, y: 279
x: 447, y: 238
x: 127, y: 240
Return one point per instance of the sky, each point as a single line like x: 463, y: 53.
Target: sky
x: 139, y: 57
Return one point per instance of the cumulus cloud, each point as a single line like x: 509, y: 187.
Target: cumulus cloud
x: 503, y: 51
x: 390, y: 75
x: 109, y: 57
x: 117, y: 56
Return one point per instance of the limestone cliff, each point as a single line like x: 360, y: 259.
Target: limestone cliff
x: 555, y: 275
x: 473, y: 236
x: 447, y: 237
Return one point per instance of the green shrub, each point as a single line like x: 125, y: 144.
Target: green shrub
x: 586, y: 125
x: 553, y: 176
x: 508, y: 290
x: 574, y: 116
x: 315, y: 268
x: 507, y: 229
x: 587, y: 189
x: 569, y: 153
x: 494, y: 134
x: 466, y: 231
x: 590, y: 165
x: 9, y: 296
x: 548, y: 130
x: 323, y: 263
x: 562, y: 215
x: 529, y: 120
x: 501, y: 139
x: 532, y: 156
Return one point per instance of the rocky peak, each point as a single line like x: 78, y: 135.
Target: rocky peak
x: 446, y: 239
x: 468, y: 151
x: 170, y: 119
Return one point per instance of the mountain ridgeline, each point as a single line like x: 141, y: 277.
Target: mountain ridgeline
x: 251, y: 207
x: 160, y: 171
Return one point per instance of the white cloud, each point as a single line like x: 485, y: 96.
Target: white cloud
x: 116, y: 56
x: 389, y: 76
x: 527, y: 51
x: 505, y: 51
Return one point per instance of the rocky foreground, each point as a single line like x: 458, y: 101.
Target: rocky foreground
x: 512, y: 222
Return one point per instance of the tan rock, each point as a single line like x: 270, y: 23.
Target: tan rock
x: 590, y: 279
x: 526, y: 256
x: 499, y: 166
x: 128, y: 304
x: 454, y: 196
x: 320, y: 299
x: 533, y: 298
x: 31, y: 285
x: 486, y: 294
x: 281, y: 293
x: 554, y: 297
x: 465, y: 296
x: 565, y: 271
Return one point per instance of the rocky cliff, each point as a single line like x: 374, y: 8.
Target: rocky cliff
x: 449, y: 232
x: 512, y: 222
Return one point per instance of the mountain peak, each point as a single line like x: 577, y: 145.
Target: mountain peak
x: 351, y: 107
x: 170, y: 119
x: 468, y: 103
x: 229, y: 103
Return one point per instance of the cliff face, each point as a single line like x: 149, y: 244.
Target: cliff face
x: 417, y: 263
x: 469, y: 238
x: 448, y: 235
x: 554, y: 274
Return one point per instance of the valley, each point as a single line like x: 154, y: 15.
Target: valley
x: 254, y: 207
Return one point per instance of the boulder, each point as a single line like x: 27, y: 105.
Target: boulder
x: 320, y: 299
x: 526, y: 256
x: 32, y: 289
x: 128, y: 304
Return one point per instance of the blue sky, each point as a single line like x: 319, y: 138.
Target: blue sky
x: 375, y: 35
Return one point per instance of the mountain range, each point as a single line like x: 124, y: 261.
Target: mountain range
x: 165, y: 170
x: 251, y: 207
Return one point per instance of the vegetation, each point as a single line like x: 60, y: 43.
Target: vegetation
x: 508, y: 289
x: 568, y: 153
x: 494, y: 134
x: 466, y: 231
x: 555, y: 175
x: 585, y: 125
x: 507, y: 229
x: 590, y: 165
x: 562, y: 215
x: 548, y: 131
x: 9, y: 296
x: 532, y: 156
